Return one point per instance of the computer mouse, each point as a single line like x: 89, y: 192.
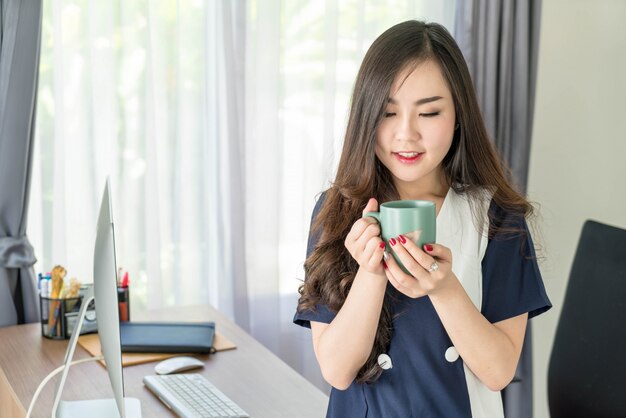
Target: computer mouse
x: 177, y: 364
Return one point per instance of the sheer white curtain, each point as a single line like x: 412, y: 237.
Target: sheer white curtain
x: 302, y: 60
x: 219, y: 123
x: 150, y: 92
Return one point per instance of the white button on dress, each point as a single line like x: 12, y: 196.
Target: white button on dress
x: 384, y: 361
x: 451, y: 354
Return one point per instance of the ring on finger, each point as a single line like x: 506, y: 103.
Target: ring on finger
x: 433, y: 267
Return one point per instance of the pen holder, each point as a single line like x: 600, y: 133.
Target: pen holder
x: 123, y: 300
x: 54, y: 314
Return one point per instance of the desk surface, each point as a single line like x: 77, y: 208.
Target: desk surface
x: 251, y: 375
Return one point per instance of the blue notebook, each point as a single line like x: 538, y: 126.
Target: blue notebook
x: 167, y: 337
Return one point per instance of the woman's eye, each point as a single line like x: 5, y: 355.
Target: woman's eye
x: 389, y: 114
x: 429, y: 115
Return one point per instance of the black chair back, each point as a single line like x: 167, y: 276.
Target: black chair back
x: 587, y: 371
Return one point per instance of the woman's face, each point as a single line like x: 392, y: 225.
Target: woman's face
x: 417, y: 129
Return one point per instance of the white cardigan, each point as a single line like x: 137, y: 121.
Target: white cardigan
x: 468, y: 243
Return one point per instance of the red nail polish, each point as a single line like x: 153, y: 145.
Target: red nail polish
x: 392, y: 241
x: 384, y: 265
x: 428, y: 247
x: 401, y: 239
x: 381, y: 245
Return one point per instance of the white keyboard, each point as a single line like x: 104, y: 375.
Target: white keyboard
x: 193, y: 396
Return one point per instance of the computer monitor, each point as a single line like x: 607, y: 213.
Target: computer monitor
x: 107, y: 314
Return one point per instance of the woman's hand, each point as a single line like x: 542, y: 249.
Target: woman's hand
x: 364, y: 243
x: 430, y: 268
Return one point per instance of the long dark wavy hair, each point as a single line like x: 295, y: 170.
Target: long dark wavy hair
x: 470, y: 166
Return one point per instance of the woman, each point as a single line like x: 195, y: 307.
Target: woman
x: 446, y: 338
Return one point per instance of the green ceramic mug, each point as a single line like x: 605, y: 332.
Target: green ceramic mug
x: 414, y: 219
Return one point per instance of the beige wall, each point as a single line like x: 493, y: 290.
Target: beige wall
x: 578, y: 156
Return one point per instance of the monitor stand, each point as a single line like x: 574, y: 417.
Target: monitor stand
x: 98, y: 408
x: 93, y: 408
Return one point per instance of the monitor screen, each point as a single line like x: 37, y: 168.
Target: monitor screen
x: 107, y: 314
x: 105, y: 292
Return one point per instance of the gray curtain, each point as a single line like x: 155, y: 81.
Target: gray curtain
x: 20, y: 33
x: 500, y: 42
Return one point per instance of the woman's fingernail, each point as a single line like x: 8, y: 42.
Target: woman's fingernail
x: 392, y: 241
x: 401, y: 239
x: 382, y: 244
x: 384, y: 265
x: 428, y: 247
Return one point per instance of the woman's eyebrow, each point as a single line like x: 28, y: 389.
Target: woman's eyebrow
x: 418, y: 102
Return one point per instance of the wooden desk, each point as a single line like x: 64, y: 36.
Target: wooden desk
x: 251, y: 375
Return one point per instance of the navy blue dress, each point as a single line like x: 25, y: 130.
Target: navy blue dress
x: 422, y: 382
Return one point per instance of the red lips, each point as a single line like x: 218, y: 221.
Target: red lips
x: 408, y: 160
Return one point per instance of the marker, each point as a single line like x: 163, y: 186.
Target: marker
x: 44, y: 290
x: 125, y: 280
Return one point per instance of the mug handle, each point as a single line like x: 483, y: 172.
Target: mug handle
x: 375, y: 215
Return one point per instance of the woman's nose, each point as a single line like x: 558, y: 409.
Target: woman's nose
x: 407, y: 128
